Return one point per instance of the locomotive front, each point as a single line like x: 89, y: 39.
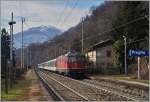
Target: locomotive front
x: 76, y: 65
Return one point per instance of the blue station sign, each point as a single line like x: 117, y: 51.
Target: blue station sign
x: 137, y: 53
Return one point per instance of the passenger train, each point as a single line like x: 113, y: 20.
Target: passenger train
x: 71, y: 64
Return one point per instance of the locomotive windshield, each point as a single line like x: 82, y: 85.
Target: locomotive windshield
x: 71, y: 59
x: 81, y: 59
x: 76, y: 57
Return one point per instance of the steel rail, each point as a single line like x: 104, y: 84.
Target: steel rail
x: 119, y: 94
x: 97, y: 87
x: 50, y: 88
x: 100, y: 88
x: 136, y: 97
x: 86, y: 99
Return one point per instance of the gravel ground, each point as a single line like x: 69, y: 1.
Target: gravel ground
x: 88, y: 91
x: 36, y: 91
x: 62, y: 90
x: 137, y: 89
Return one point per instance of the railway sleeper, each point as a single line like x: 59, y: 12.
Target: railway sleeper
x: 143, y: 93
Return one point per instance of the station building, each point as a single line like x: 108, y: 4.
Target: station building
x: 101, y: 55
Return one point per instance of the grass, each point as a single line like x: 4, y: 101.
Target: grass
x: 17, y: 92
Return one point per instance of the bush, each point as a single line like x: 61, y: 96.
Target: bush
x: 132, y: 68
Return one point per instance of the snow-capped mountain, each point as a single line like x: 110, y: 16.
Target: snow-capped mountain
x: 36, y: 35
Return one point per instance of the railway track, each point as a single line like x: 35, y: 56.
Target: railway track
x: 60, y: 91
x: 121, y: 89
x: 89, y: 90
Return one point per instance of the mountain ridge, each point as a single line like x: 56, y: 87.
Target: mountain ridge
x: 37, y: 34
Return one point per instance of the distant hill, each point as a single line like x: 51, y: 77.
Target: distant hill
x: 36, y: 35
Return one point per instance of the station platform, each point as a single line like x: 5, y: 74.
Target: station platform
x: 122, y: 79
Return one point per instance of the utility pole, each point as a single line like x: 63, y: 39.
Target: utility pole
x: 10, y: 42
x: 139, y: 76
x: 125, y: 50
x: 55, y: 51
x: 27, y: 57
x: 22, y: 52
x: 11, y: 51
x: 82, y: 37
x: 30, y: 56
x: 10, y: 63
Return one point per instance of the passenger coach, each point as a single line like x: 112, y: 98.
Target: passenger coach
x: 71, y: 64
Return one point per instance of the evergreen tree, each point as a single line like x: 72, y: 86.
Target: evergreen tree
x: 5, y: 48
x: 131, y: 22
x: 5, y: 54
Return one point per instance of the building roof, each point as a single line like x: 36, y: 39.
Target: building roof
x: 103, y: 43
x: 90, y: 49
x: 74, y: 54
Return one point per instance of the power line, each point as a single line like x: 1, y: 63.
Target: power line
x: 136, y: 41
x: 59, y: 19
x: 122, y: 25
x: 70, y: 12
x: 100, y: 34
x: 135, y: 20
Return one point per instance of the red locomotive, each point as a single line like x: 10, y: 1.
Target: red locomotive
x: 71, y: 64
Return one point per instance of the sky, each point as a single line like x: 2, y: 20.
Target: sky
x: 61, y: 14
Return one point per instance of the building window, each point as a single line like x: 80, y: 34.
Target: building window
x: 108, y: 53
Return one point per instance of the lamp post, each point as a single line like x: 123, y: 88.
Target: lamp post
x: 11, y: 51
x: 125, y: 50
x: 22, y: 49
x: 11, y: 34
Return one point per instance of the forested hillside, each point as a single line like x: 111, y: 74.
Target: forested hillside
x: 133, y: 23
x: 113, y: 19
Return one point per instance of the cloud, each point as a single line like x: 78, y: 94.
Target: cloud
x: 62, y: 14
